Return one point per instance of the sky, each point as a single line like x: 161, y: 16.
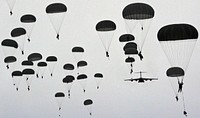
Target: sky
x: 115, y: 98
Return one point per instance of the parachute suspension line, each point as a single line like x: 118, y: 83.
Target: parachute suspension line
x: 184, y: 107
x: 176, y: 94
x: 104, y: 45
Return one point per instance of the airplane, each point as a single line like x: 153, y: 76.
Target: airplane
x: 140, y: 79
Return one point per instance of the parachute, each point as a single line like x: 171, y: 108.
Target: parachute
x: 17, y: 76
x: 34, y: 57
x: 68, y: 68
x: 68, y: 80
x: 9, y: 46
x: 27, y: 63
x: 105, y: 30
x: 178, y: 42
x: 51, y: 60
x: 81, y: 66
x: 78, y: 53
x: 98, y: 77
x: 59, y: 96
x: 56, y: 13
x: 28, y: 73
x: 126, y: 38
x: 11, y: 4
x: 19, y: 35
x: 129, y: 61
x: 138, y: 17
x: 87, y: 103
x: 29, y: 21
x: 10, y: 60
x: 82, y: 79
x: 41, y: 68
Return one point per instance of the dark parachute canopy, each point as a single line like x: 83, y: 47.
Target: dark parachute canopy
x: 175, y: 72
x: 130, y: 45
x: 68, y: 66
x: 130, y: 60
x: 77, y: 49
x: 82, y: 63
x: 28, y: 71
x: 98, y: 75
x: 126, y: 38
x: 34, y: 57
x: 18, y: 32
x: 51, y: 58
x: 28, y: 18
x: 42, y: 64
x: 16, y: 73
x: 56, y: 8
x: 105, y: 25
x: 88, y: 102
x: 131, y: 51
x: 138, y: 11
x: 27, y: 63
x: 175, y: 32
x: 10, y: 59
x: 9, y: 43
x: 59, y: 94
x: 82, y: 76
x: 68, y: 79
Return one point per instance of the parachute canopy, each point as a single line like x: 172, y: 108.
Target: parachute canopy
x: 68, y: 79
x: 82, y: 76
x: 18, y: 32
x: 59, y: 94
x: 175, y: 72
x: 9, y: 43
x: 98, y: 75
x: 34, y: 57
x: 81, y: 63
x: 28, y: 71
x: 138, y: 11
x: 88, y: 102
x: 42, y: 64
x: 10, y: 59
x: 130, y: 60
x: 105, y: 25
x: 130, y: 45
x: 56, y: 8
x: 16, y: 73
x: 131, y: 51
x: 77, y: 49
x: 51, y: 58
x: 175, y: 32
x: 126, y: 38
x: 27, y: 63
x: 28, y: 18
x: 68, y: 67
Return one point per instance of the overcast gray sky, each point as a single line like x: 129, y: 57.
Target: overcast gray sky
x: 115, y: 98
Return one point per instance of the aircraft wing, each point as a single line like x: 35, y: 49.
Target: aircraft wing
x: 136, y: 79
x: 146, y: 79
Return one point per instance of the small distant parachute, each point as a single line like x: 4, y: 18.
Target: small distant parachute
x: 105, y: 30
x: 131, y: 51
x: 10, y: 60
x: 41, y: 68
x: 87, y: 103
x: 28, y: 73
x: 34, y: 57
x: 11, y: 4
x: 27, y: 63
x: 78, y: 53
x: 19, y: 35
x: 68, y: 68
x: 82, y: 79
x: 9, y: 46
x: 68, y: 80
x: 17, y: 76
x: 59, y: 96
x: 98, y: 77
x: 126, y: 38
x: 51, y: 60
x: 82, y: 66
x: 138, y: 17
x: 130, y: 61
x: 29, y: 21
x: 130, y: 45
x: 56, y: 13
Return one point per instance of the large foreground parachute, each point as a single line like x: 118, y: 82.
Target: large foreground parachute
x: 56, y: 13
